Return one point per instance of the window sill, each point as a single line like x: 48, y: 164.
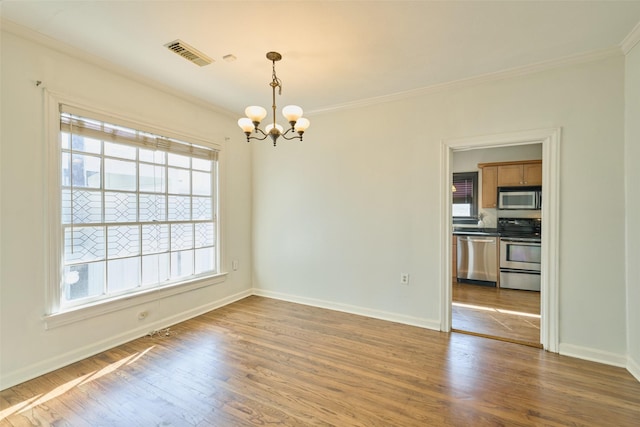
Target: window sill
x: 79, y: 314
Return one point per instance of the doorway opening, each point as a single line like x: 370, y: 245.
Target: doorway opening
x: 505, y: 308
x: 548, y: 296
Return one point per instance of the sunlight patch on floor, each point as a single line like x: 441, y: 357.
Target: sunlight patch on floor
x: 495, y: 310
x: 32, y: 402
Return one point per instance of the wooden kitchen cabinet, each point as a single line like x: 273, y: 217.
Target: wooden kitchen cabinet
x: 532, y: 173
x: 490, y: 187
x: 507, y: 174
x: 513, y: 175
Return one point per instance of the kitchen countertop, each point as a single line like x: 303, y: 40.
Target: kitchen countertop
x: 457, y: 231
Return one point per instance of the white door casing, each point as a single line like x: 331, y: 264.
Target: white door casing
x: 550, y: 140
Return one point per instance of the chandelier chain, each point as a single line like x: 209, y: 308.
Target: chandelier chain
x: 276, y: 82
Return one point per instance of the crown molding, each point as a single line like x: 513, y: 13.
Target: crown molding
x: 631, y: 40
x: 32, y: 35
x: 39, y: 38
x: 592, y: 56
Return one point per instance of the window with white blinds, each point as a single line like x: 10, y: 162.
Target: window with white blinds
x: 465, y: 195
x: 138, y: 210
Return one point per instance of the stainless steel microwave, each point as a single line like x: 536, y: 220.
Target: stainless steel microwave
x: 524, y: 198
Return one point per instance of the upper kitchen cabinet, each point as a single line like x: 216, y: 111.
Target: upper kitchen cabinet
x: 490, y: 187
x: 507, y: 174
x: 511, y: 174
x: 521, y: 173
x: 532, y: 173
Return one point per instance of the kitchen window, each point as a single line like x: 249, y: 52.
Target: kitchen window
x: 137, y: 211
x: 465, y: 198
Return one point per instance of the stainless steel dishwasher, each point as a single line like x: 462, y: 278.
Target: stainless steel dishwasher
x: 477, y: 259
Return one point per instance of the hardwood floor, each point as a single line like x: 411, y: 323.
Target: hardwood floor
x: 267, y: 362
x: 505, y: 314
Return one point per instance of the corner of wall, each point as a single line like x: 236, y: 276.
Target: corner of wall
x: 631, y: 49
x: 632, y: 39
x: 633, y: 366
x: 593, y: 355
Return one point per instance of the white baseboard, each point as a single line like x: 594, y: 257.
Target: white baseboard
x: 633, y: 366
x: 351, y: 309
x: 26, y: 373
x: 593, y: 355
x: 32, y: 371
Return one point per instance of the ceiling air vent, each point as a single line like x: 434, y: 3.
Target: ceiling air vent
x: 189, y: 52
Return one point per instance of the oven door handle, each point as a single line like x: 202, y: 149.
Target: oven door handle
x: 519, y: 271
x: 519, y: 241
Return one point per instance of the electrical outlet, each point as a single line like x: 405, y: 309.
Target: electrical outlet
x: 404, y: 278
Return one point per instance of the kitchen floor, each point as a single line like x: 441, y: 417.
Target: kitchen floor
x: 506, y: 314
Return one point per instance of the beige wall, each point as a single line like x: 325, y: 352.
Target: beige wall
x: 27, y: 349
x: 338, y: 217
x: 632, y: 175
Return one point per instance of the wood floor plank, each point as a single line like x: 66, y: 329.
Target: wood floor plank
x: 506, y: 314
x: 267, y: 362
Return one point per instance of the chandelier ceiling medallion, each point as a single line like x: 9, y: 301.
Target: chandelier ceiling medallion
x: 255, y: 114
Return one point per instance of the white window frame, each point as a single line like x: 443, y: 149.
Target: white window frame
x: 58, y: 315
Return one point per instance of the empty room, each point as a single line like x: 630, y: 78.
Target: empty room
x: 224, y: 213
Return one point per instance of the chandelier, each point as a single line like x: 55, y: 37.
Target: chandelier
x: 255, y: 114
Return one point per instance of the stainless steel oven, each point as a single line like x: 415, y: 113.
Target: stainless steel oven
x: 520, y: 253
x: 520, y: 260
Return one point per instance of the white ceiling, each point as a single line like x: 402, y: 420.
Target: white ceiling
x: 334, y: 52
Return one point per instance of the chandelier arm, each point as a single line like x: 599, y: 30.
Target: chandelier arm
x: 293, y: 137
x: 257, y: 129
x: 257, y: 138
x: 284, y: 135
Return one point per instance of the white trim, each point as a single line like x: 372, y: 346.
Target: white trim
x: 446, y: 247
x: 633, y: 367
x: 550, y: 140
x: 54, y: 317
x: 129, y: 120
x: 596, y: 55
x: 40, y: 368
x: 57, y: 45
x: 52, y: 214
x: 26, y: 373
x: 351, y: 309
x: 550, y: 275
x: 593, y: 355
x: 631, y: 39
x: 220, y: 209
x: 102, y: 307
